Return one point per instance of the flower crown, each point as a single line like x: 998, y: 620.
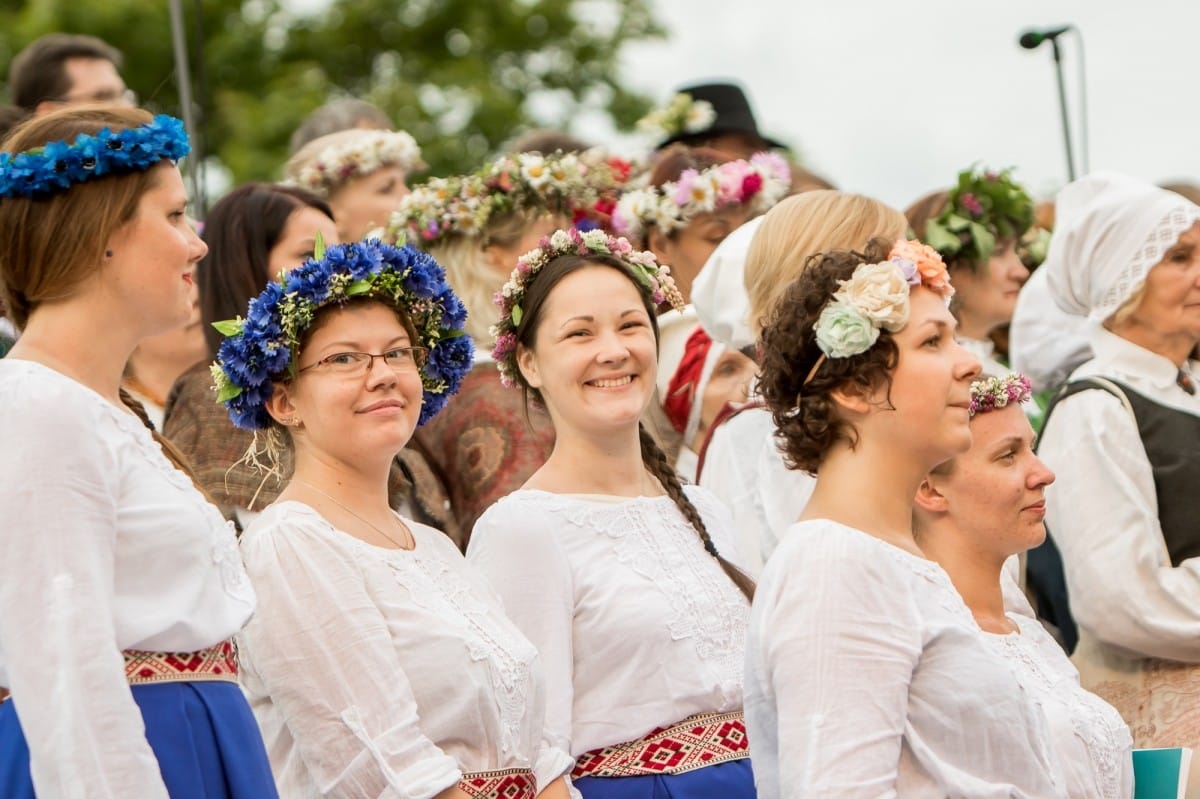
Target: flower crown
x: 56, y: 166
x: 877, y: 297
x: 681, y: 115
x: 761, y: 182
x: 260, y: 349
x: 981, y: 209
x: 362, y: 154
x: 655, y: 279
x: 992, y: 393
x: 463, y: 205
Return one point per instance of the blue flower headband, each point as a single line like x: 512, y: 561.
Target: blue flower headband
x: 259, y: 349
x: 57, y: 166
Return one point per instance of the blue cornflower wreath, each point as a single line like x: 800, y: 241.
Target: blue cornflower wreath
x: 258, y: 350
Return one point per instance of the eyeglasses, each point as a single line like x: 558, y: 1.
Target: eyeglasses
x: 115, y: 96
x: 358, y: 364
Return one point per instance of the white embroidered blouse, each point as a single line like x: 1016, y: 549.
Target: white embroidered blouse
x: 380, y: 672
x: 104, y: 546
x: 637, y: 625
x: 867, y: 676
x: 1091, y: 741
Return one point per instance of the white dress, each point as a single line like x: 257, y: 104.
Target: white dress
x: 104, y: 546
x: 638, y: 627
x: 744, y: 468
x: 380, y: 672
x: 866, y: 676
x: 1091, y: 741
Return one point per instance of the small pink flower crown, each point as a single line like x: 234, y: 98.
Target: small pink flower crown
x: 993, y: 393
x: 655, y: 278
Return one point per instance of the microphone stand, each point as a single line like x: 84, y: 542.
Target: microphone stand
x: 1062, y: 105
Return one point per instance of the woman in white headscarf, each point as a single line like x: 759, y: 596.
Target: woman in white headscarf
x: 1124, y: 439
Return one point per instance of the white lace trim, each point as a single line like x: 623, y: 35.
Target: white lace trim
x: 1162, y: 238
x: 652, y: 538
x: 1095, y: 722
x: 440, y: 589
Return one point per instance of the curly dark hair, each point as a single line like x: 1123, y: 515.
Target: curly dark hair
x: 807, y: 422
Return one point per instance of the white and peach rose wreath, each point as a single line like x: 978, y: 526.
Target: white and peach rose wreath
x: 876, y: 297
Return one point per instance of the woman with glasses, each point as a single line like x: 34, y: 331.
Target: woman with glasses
x: 379, y: 663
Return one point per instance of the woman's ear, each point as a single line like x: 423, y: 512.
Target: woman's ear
x: 527, y: 363
x: 929, y: 498
x: 281, y: 406
x: 659, y: 244
x: 852, y: 398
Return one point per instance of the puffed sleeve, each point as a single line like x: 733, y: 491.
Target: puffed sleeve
x: 1103, y: 513
x: 322, y: 651
x: 60, y: 480
x: 836, y: 647
x: 514, y: 547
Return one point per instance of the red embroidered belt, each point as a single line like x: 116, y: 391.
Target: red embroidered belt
x: 703, y: 740
x: 217, y: 663
x: 512, y: 783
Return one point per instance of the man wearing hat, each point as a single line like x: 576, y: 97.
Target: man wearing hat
x: 715, y: 115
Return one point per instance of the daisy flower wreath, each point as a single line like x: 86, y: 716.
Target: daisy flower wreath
x: 441, y: 207
x: 260, y: 349
x: 761, y: 182
x: 654, y: 278
x: 58, y: 165
x: 683, y: 114
x: 876, y: 297
x: 366, y: 153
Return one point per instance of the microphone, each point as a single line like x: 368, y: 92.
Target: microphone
x: 1032, y: 39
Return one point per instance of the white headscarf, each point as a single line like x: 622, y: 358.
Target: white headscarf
x: 1109, y: 230
x: 719, y: 291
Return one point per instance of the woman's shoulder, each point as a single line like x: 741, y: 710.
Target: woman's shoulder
x: 830, y: 547
x: 40, y: 403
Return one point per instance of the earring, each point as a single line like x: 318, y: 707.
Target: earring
x: 108, y: 253
x: 291, y: 420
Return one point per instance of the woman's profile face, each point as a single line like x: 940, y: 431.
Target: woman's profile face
x: 298, y: 238
x: 366, y: 202
x: 689, y: 249
x: 987, y: 298
x: 1170, y: 301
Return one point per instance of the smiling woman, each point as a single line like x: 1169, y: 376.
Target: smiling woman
x: 109, y: 548
x: 378, y: 662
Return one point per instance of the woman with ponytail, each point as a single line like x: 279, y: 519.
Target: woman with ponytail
x: 120, y: 584
x: 618, y: 574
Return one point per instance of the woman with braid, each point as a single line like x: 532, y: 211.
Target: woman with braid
x: 620, y: 576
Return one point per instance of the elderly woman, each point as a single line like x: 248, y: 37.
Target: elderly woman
x: 974, y: 512
x: 1124, y: 439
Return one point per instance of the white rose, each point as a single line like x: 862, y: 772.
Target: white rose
x: 879, y: 292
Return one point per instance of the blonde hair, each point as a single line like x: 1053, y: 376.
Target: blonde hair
x: 37, y: 262
x: 805, y: 224
x: 467, y: 269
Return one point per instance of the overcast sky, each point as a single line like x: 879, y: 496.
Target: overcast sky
x: 892, y: 97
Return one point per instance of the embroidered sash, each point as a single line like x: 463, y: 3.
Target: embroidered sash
x: 702, y: 740
x: 512, y: 783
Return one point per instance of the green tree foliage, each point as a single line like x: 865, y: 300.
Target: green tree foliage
x: 463, y: 76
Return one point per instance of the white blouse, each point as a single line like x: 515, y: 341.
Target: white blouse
x: 866, y: 676
x: 744, y: 468
x: 104, y: 546
x: 1092, y: 743
x: 1103, y: 511
x: 380, y: 672
x: 637, y: 625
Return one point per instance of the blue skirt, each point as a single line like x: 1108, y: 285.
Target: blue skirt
x: 205, y: 738
x: 731, y: 780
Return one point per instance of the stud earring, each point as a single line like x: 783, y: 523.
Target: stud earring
x: 108, y: 253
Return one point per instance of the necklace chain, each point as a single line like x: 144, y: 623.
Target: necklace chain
x: 349, y: 510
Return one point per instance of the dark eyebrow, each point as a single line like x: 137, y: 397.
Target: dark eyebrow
x: 353, y: 344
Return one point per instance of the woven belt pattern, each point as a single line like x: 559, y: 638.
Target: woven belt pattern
x: 512, y: 783
x: 698, y: 741
x: 217, y: 663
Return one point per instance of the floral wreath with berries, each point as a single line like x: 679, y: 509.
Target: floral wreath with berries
x: 655, y: 278
x: 681, y: 114
x: 983, y: 208
x: 56, y: 166
x: 759, y: 182
x: 366, y: 152
x: 463, y: 205
x: 262, y: 348
x: 993, y: 393
x: 877, y: 297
